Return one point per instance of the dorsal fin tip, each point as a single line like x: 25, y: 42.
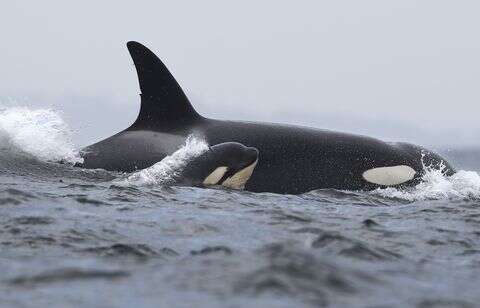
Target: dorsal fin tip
x: 162, y: 98
x: 133, y: 44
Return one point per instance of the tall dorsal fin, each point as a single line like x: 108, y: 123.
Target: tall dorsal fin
x: 162, y: 99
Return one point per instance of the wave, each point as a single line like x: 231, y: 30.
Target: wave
x: 165, y: 171
x: 41, y: 133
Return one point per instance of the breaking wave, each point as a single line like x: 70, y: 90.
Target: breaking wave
x: 41, y: 133
x: 165, y: 171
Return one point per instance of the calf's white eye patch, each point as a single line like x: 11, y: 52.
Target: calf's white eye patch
x: 389, y: 176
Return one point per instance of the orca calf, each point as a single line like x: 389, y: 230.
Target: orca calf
x: 228, y: 164
x: 293, y: 159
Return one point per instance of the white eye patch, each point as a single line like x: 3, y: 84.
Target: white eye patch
x: 214, y: 177
x: 389, y: 176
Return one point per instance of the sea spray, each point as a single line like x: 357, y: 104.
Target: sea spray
x: 165, y: 171
x: 436, y: 185
x: 41, y: 133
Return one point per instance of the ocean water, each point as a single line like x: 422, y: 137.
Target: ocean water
x: 71, y: 237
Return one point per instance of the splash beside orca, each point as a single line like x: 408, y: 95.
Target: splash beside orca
x: 293, y: 159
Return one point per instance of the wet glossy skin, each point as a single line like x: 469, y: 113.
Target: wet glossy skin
x: 299, y: 159
x: 231, y: 156
x: 293, y: 159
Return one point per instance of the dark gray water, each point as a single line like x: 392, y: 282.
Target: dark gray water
x: 81, y: 238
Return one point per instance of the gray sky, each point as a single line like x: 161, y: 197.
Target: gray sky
x: 398, y: 70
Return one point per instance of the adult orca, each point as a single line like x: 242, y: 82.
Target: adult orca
x: 293, y: 159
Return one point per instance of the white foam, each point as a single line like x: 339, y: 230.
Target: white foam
x: 41, y: 133
x: 168, y: 168
x: 435, y: 185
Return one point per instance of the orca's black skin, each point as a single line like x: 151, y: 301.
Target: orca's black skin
x: 293, y: 159
x: 233, y: 155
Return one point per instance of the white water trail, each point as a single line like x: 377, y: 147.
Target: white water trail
x: 41, y: 133
x: 166, y: 170
x: 436, y: 186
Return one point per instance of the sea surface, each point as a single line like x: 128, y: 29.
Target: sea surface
x: 71, y: 237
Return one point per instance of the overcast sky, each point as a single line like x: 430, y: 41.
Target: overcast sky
x: 397, y: 70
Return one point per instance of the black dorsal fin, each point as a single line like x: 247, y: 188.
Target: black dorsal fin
x: 163, y: 100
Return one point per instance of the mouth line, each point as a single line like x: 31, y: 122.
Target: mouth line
x: 255, y: 161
